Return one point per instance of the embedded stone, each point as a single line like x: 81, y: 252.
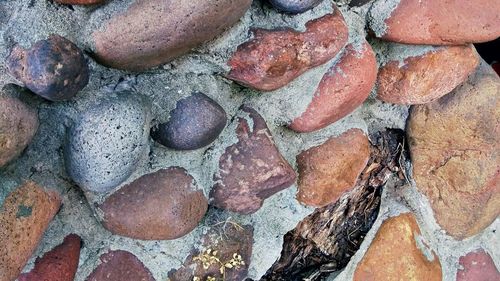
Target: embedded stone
x: 328, y: 170
x: 195, y: 122
x: 454, y: 144
x: 252, y: 169
x: 357, y: 3
x: 425, y: 78
x: 399, y: 252
x: 342, y: 89
x: 294, y: 6
x: 477, y: 266
x: 159, y: 206
x: 150, y: 33
x: 80, y: 2
x: 59, y: 264
x: 273, y: 58
x: 436, y: 22
x: 24, y: 217
x: 107, y: 142
x: 118, y: 266
x: 54, y: 69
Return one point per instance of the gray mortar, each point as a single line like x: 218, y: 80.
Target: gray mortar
x: 380, y: 11
x: 201, y: 70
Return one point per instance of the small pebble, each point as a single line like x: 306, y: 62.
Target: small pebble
x: 294, y: 6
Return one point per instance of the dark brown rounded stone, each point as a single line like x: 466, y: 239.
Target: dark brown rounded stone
x: 119, y: 266
x: 158, y: 206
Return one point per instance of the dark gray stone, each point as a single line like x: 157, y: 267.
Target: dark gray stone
x: 294, y: 6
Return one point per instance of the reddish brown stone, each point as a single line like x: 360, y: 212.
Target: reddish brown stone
x: 222, y: 241
x: 341, y: 90
x: 252, y: 169
x: 150, y: 33
x: 455, y: 145
x: 425, y: 78
x: 395, y: 255
x: 25, y: 214
x: 80, y: 2
x: 442, y: 22
x: 119, y: 266
x: 273, y: 58
x: 157, y: 206
x: 328, y: 170
x: 59, y: 264
x: 477, y: 266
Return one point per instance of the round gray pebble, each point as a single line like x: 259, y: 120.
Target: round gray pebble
x: 294, y: 6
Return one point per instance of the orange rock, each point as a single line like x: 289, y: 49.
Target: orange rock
x: 427, y: 77
x: 328, y: 170
x: 273, y: 58
x: 25, y: 214
x: 439, y: 22
x: 345, y: 87
x: 455, y: 145
x: 395, y: 254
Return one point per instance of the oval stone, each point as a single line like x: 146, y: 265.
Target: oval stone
x: 294, y: 6
x: 477, y: 266
x: 120, y: 265
x: 195, y: 122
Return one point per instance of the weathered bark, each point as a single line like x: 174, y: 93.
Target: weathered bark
x: 325, y: 241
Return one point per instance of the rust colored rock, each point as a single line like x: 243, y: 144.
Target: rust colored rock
x: 396, y: 254
x: 80, y: 2
x: 54, y: 69
x: 59, y: 264
x: 477, y: 266
x: 273, y: 58
x: 341, y: 90
x: 230, y: 243
x: 332, y: 168
x: 25, y: 214
x: 157, y: 206
x: 455, y: 145
x: 150, y: 33
x: 438, y: 22
x: 251, y: 170
x: 425, y: 78
x: 118, y: 266
x: 18, y: 126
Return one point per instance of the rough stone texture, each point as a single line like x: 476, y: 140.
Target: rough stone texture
x: 441, y: 22
x: 273, y: 58
x: 80, y: 2
x: 294, y: 6
x: 357, y: 3
x: 342, y: 89
x: 222, y: 242
x: 195, y: 122
x: 398, y: 253
x: 151, y: 33
x: 54, y: 69
x: 477, y: 266
x: 455, y: 145
x: 118, y: 266
x: 157, y: 206
x: 59, y: 264
x: 425, y: 78
x: 332, y: 168
x: 25, y: 214
x: 251, y: 170
x: 98, y: 157
x: 18, y: 126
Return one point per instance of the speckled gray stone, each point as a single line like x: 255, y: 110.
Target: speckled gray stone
x: 107, y: 141
x: 294, y: 6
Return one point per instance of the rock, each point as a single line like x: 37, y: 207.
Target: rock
x: 24, y: 216
x: 195, y: 122
x: 54, y: 69
x: 477, y: 266
x: 230, y: 243
x: 398, y: 253
x: 80, y: 2
x: 455, y: 144
x: 328, y: 170
x: 118, y: 266
x: 358, y: 3
x: 252, y: 169
x: 341, y: 90
x: 436, y: 22
x: 425, y: 78
x: 18, y: 126
x: 294, y: 6
x: 150, y: 33
x: 273, y: 58
x: 59, y: 264
x: 107, y: 142
x: 158, y: 206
